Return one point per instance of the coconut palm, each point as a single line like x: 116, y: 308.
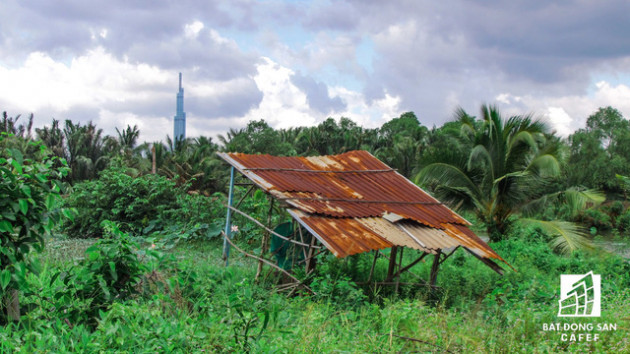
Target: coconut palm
x: 53, y: 138
x: 85, y: 150
x: 128, y: 138
x: 507, y: 170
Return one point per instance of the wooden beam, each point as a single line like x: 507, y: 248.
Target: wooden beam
x: 373, y: 265
x: 424, y: 254
x: 448, y: 255
x: 311, y: 262
x: 269, y: 230
x: 402, y: 249
x: 435, y: 268
x: 265, y: 239
x: 488, y: 262
x: 269, y: 263
x: 244, y: 196
x: 392, y: 262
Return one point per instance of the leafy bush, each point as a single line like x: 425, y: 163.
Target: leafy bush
x: 133, y: 202
x: 29, y: 198
x: 616, y: 208
x: 340, y: 291
x: 623, y: 221
x: 597, y: 218
x: 149, y: 205
x: 110, y: 271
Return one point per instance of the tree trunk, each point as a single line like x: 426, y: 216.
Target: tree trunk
x: 153, y: 166
x: 497, y: 230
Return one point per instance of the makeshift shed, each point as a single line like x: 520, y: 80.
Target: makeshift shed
x: 353, y: 203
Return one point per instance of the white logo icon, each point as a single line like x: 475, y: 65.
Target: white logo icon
x: 580, y: 295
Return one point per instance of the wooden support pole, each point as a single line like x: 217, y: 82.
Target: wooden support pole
x: 311, y: 257
x: 228, y: 220
x: 268, y: 263
x: 399, y: 266
x: 435, y: 268
x: 448, y: 255
x: 411, y: 264
x: 249, y: 190
x: 310, y: 260
x: 299, y: 227
x: 392, y: 263
x: 408, y: 271
x: 269, y: 230
x: 265, y: 239
x: 373, y: 265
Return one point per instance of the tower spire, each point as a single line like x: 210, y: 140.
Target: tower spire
x: 179, y: 131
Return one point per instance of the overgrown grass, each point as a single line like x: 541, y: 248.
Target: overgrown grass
x: 192, y: 303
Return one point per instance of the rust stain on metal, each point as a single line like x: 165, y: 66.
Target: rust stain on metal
x: 342, y: 198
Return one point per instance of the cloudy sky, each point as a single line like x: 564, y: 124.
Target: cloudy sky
x: 116, y: 62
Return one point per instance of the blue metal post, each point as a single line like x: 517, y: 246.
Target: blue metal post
x: 228, y: 220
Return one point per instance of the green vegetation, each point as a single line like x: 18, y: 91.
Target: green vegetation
x: 186, y: 300
x: 30, y: 193
x: 132, y: 259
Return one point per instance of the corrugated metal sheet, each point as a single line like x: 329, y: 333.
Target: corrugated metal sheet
x: 341, y: 199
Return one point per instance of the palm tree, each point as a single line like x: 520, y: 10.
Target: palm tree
x: 128, y: 138
x: 53, y: 138
x: 85, y: 152
x: 508, y: 166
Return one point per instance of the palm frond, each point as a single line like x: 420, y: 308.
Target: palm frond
x: 568, y: 236
x: 577, y: 199
x: 544, y: 166
x: 480, y: 154
x: 574, y: 200
x: 448, y: 176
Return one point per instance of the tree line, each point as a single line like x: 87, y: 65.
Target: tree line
x: 498, y: 167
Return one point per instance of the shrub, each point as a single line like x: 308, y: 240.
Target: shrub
x: 616, y: 208
x: 29, y: 196
x: 342, y: 292
x: 133, y: 202
x: 110, y: 271
x: 623, y: 221
x: 597, y: 218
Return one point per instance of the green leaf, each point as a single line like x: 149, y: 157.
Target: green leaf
x: 23, y: 206
x: 568, y: 236
x: 50, y: 201
x: 112, y: 271
x: 68, y: 213
x: 26, y: 190
x: 5, y: 278
x: 17, y: 166
x: 54, y: 277
x: 17, y: 155
x: 5, y: 226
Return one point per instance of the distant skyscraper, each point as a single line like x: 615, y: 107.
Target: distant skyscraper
x: 180, y: 117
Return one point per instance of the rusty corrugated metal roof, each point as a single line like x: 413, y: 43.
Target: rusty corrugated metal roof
x: 342, y: 199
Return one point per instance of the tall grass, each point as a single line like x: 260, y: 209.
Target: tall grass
x: 193, y: 304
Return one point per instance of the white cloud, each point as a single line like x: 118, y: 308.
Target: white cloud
x: 368, y: 114
x: 566, y: 114
x: 560, y: 120
x: 283, y: 104
x: 192, y: 30
x: 96, y: 82
x: 94, y: 78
